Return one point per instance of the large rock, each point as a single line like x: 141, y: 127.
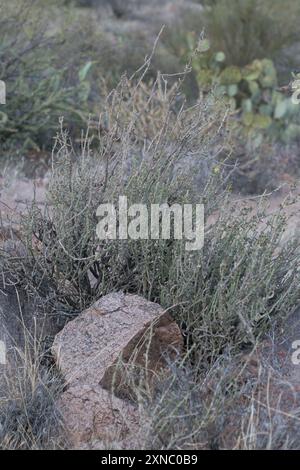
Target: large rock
x: 95, y: 418
x: 117, y: 330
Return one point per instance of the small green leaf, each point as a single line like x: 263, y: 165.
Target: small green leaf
x: 203, y: 45
x: 232, y: 90
x: 247, y: 106
x: 261, y: 121
x: 230, y: 75
x: 84, y: 71
x: 248, y: 119
x: 257, y: 141
x: 220, y: 57
x: 3, y: 118
x: 280, y: 109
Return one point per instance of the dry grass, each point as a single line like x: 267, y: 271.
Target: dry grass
x: 29, y: 417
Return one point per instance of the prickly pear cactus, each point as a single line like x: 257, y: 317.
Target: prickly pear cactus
x: 260, y: 108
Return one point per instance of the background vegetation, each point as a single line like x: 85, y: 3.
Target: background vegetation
x: 63, y: 65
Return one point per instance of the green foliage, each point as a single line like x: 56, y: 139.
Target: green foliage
x: 260, y: 108
x: 38, y: 92
x: 226, y: 293
x: 57, y: 67
x: 117, y: 168
x: 154, y: 149
x: 229, y: 292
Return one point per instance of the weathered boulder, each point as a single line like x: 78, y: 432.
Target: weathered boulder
x: 93, y: 415
x: 117, y: 329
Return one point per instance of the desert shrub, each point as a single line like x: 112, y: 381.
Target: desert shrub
x: 28, y: 415
x: 251, y: 29
x: 228, y: 293
x: 225, y: 294
x: 153, y: 148
x: 37, y: 89
x: 265, y: 121
x: 137, y: 157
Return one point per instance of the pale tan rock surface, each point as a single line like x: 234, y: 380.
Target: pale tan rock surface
x: 118, y: 325
x: 88, y: 351
x: 93, y: 417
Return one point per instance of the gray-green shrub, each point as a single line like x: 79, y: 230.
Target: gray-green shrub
x: 225, y: 294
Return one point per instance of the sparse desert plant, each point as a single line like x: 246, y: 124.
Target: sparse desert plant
x: 37, y: 89
x: 228, y: 294
x: 252, y: 29
x: 225, y: 294
x: 137, y: 158
x: 151, y: 146
x: 112, y: 53
x: 58, y: 66
x: 195, y: 413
